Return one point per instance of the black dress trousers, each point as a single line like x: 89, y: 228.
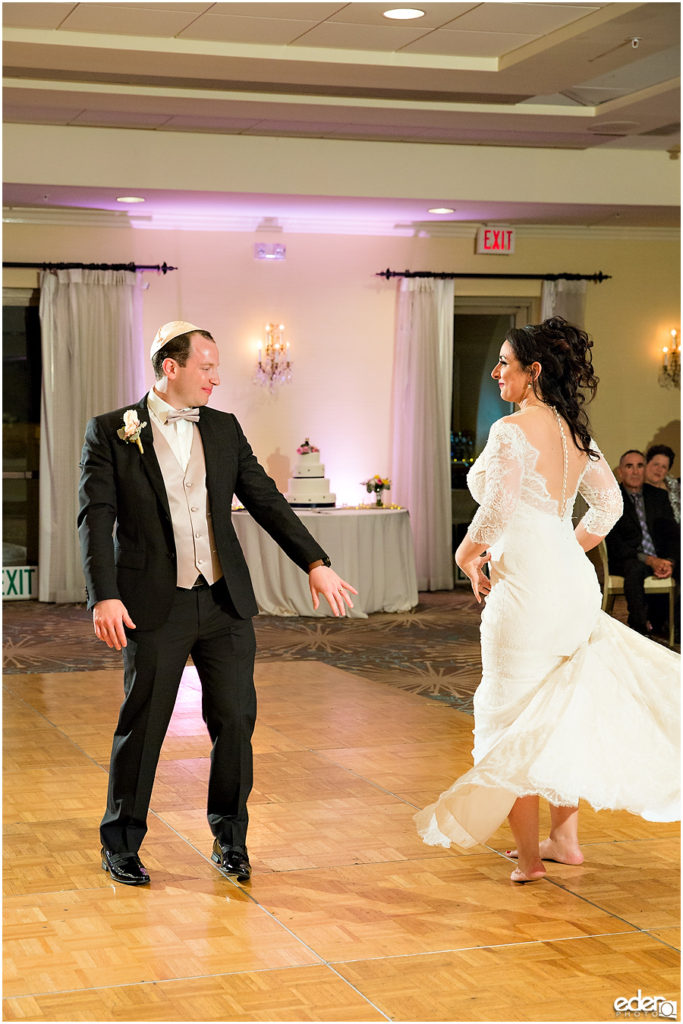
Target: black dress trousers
x: 202, y: 623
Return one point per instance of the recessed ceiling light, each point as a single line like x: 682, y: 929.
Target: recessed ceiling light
x: 129, y: 199
x: 403, y: 13
x: 441, y: 209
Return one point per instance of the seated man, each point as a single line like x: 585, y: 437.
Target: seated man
x: 644, y: 541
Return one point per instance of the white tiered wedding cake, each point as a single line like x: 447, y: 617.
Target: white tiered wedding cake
x: 309, y: 488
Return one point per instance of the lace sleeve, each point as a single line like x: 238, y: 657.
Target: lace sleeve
x: 603, y: 496
x: 504, y: 462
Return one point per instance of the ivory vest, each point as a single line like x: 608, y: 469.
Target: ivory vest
x: 190, y: 513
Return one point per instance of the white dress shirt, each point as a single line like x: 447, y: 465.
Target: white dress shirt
x: 178, y: 434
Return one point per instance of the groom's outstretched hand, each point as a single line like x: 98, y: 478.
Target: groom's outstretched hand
x: 325, y: 581
x: 109, y: 618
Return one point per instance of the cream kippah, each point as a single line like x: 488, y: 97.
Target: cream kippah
x: 169, y: 331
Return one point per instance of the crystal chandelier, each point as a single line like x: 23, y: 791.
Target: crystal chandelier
x: 274, y: 365
x: 670, y: 372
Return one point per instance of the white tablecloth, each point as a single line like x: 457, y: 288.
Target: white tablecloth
x: 371, y: 549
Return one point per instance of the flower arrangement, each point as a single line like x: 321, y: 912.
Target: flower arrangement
x: 307, y: 448
x: 377, y: 484
x: 130, y: 431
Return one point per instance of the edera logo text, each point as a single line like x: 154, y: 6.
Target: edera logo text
x: 639, y: 1006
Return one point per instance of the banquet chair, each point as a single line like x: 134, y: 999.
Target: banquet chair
x: 613, y: 586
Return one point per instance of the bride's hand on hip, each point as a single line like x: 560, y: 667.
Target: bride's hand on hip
x: 471, y: 559
x: 473, y: 569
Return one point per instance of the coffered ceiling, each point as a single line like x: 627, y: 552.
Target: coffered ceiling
x: 533, y: 74
x: 554, y: 75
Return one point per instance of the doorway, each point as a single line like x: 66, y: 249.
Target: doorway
x: 21, y: 384
x: 480, y: 325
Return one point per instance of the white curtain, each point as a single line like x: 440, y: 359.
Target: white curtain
x: 93, y: 361
x: 566, y: 299
x: 423, y: 384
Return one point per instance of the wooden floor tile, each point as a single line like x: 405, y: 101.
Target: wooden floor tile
x: 17, y: 710
x: 324, y: 707
x: 448, y: 902
x: 635, y: 881
x: 572, y: 980
x: 671, y: 936
x: 48, y: 856
x: 337, y: 831
x: 297, y: 776
x: 47, y: 747
x: 31, y: 741
x: 290, y: 777
x: 83, y: 706
x: 59, y: 696
x: 120, y: 935
x: 401, y: 767
x: 297, y: 994
x: 36, y: 793
x: 270, y: 741
x: 181, y: 783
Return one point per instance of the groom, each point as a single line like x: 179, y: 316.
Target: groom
x: 166, y: 578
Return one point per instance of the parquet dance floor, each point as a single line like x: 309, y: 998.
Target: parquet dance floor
x: 349, y: 917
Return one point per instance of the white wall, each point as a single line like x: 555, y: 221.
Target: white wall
x: 340, y: 321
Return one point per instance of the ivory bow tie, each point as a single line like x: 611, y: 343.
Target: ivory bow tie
x: 182, y: 414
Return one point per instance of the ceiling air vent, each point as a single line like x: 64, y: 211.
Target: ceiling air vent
x: 613, y: 128
x: 666, y: 129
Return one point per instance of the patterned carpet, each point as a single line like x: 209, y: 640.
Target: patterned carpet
x: 432, y: 651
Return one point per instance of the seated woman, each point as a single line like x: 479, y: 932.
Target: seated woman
x: 659, y: 460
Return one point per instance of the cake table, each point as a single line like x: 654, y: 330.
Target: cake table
x: 370, y: 548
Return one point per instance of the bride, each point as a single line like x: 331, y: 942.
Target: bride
x: 572, y: 704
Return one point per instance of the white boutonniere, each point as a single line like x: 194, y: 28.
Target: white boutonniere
x: 130, y: 431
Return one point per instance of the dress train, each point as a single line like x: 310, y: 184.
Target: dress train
x: 601, y: 725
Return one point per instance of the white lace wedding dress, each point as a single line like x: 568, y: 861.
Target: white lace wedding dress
x: 572, y: 703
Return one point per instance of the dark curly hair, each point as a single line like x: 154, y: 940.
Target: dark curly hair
x: 661, y: 449
x: 567, y: 380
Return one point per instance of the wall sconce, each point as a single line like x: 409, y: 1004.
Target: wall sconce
x: 670, y: 372
x: 274, y: 365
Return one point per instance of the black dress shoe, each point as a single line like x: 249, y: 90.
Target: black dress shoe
x: 125, y: 867
x: 233, y: 860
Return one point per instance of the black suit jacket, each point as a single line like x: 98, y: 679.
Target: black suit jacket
x: 626, y: 537
x: 124, y: 521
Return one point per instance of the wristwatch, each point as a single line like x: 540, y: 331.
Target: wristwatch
x: 324, y: 561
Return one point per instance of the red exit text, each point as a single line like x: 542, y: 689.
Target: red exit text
x: 499, y: 240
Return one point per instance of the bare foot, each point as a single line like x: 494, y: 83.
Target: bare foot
x: 556, y: 850
x: 528, y: 876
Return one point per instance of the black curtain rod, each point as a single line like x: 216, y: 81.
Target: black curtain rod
x: 599, y: 277
x: 163, y: 267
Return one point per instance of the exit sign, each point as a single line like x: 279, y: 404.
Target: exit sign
x: 497, y: 240
x: 19, y: 582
